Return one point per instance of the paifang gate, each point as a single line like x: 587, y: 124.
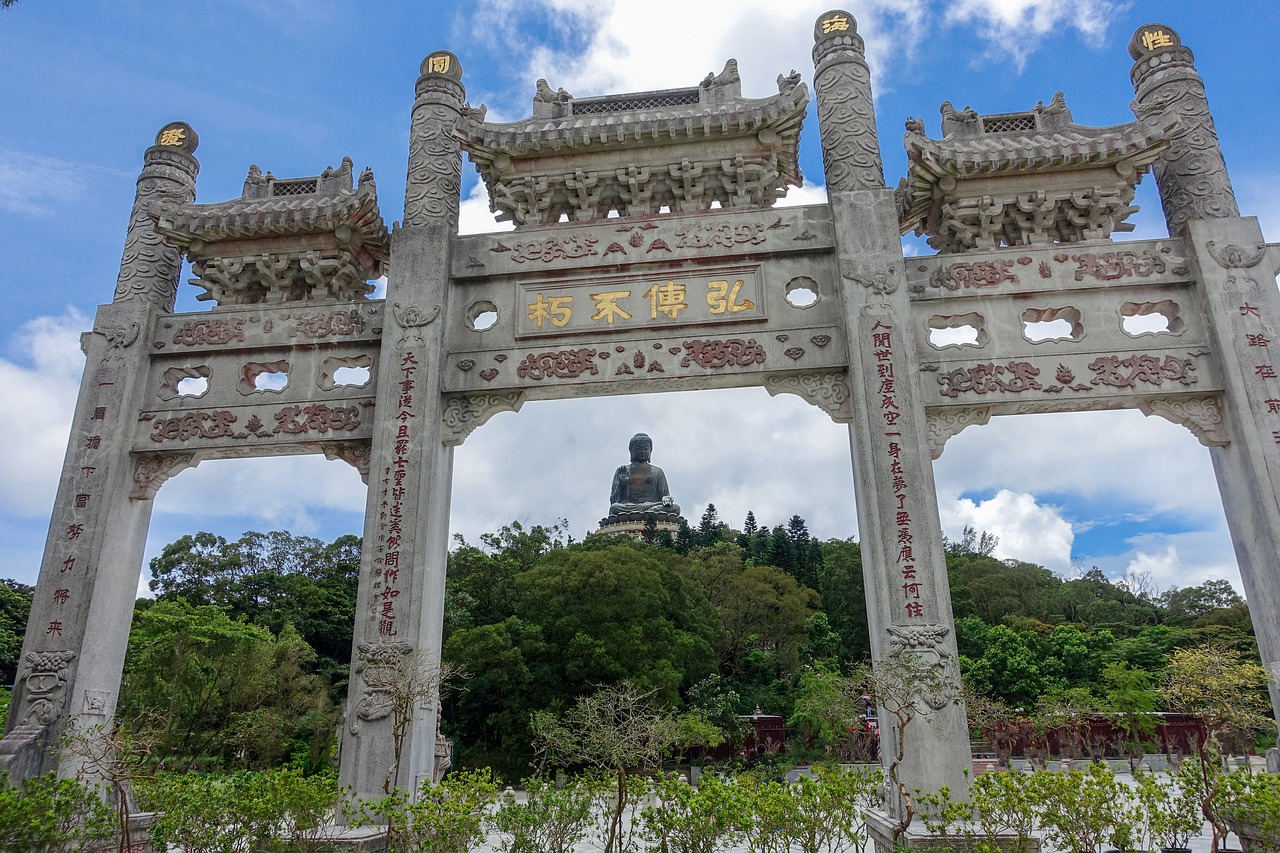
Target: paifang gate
x: 647, y: 257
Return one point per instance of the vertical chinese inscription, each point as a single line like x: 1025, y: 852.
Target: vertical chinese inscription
x: 889, y: 411
x: 390, y: 528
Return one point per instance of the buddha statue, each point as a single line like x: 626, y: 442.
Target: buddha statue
x: 640, y: 488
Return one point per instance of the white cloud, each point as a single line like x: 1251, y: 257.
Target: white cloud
x: 474, y: 216
x: 1015, y: 28
x: 1026, y: 530
x: 39, y: 389
x: 34, y: 185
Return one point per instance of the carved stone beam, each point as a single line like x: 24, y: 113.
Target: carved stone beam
x: 827, y: 390
x: 354, y: 453
x: 151, y: 470
x: 463, y: 414
x: 1201, y: 415
x: 944, y: 423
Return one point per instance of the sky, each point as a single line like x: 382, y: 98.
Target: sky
x: 294, y: 85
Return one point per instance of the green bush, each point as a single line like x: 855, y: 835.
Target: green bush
x: 704, y: 819
x: 268, y: 811
x: 45, y: 814
x: 550, y: 820
x: 1250, y: 803
x: 447, y: 818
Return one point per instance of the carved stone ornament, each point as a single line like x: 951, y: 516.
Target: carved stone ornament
x: 846, y: 114
x: 1233, y: 258
x: 879, y: 283
x: 944, y: 423
x: 354, y: 453
x: 925, y: 641
x: 97, y: 702
x: 374, y: 662
x: 411, y: 319
x: 152, y: 470
x: 462, y: 415
x: 827, y: 391
x: 118, y: 338
x: 44, y: 682
x: 1202, y: 415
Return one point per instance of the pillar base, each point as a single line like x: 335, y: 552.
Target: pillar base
x: 880, y: 827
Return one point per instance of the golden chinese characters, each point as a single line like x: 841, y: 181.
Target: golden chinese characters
x: 720, y: 298
x: 172, y: 136
x: 1151, y: 39
x: 667, y: 298
x: 556, y: 309
x: 438, y: 63
x: 607, y: 307
x: 836, y: 23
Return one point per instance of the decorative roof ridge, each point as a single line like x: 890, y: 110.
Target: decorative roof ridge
x: 345, y: 199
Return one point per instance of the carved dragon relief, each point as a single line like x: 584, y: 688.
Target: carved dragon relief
x: 462, y: 415
x: 354, y: 453
x: 945, y: 423
x: 828, y: 391
x: 1202, y: 415
x: 152, y: 470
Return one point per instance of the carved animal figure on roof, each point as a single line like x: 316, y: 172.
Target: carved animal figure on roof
x: 724, y: 78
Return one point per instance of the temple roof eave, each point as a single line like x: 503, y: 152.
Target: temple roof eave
x: 533, y: 137
x: 289, y: 216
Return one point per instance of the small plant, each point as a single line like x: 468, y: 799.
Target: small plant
x: 1250, y: 804
x: 1083, y: 811
x: 45, y: 814
x: 1169, y: 807
x: 549, y: 821
x: 705, y: 819
x: 447, y: 818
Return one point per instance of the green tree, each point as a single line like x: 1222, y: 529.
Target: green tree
x: 225, y: 693
x: 1008, y: 669
x: 15, y: 607
x: 614, y: 610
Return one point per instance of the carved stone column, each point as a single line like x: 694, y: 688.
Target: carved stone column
x: 400, y: 604
x: 150, y: 267
x: 908, y: 598
x: 846, y: 112
x: 435, y: 166
x: 1237, y: 272
x: 1191, y: 174
x: 73, y: 653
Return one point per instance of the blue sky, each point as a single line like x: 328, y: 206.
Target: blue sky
x: 294, y: 86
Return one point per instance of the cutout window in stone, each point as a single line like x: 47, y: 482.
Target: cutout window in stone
x: 354, y: 372
x: 482, y: 316
x: 190, y: 382
x: 264, y: 377
x: 1139, y: 319
x: 1052, y: 324
x: 802, y: 292
x: 957, y: 330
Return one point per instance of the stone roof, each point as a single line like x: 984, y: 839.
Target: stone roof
x: 314, y: 238
x: 273, y: 208
x: 986, y: 156
x: 680, y: 135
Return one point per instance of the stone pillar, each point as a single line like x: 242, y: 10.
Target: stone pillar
x: 1191, y: 174
x: 1237, y: 277
x: 908, y: 597
x: 74, y: 649
x: 400, y: 604
x: 846, y: 112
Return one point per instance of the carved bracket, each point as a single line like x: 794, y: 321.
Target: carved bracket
x: 153, y: 469
x: 1202, y: 415
x: 944, y: 423
x: 376, y: 663
x: 463, y: 414
x: 827, y: 391
x: 354, y: 453
x: 45, y: 679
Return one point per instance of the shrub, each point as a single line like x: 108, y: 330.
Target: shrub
x: 45, y: 813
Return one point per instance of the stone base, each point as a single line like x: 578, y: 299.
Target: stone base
x: 880, y: 827
x: 635, y: 527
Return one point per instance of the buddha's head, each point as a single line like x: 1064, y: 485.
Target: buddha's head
x: 641, y: 447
